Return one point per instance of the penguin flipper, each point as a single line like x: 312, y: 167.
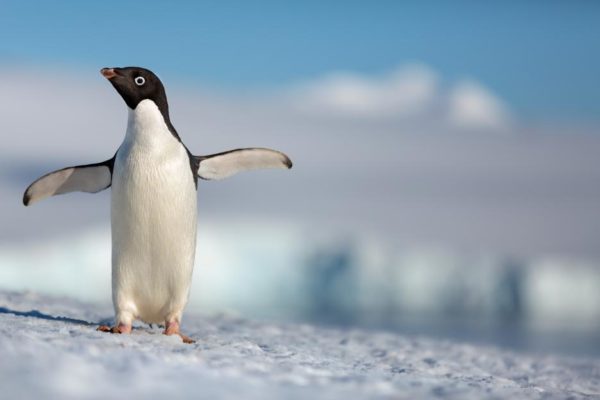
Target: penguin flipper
x: 89, y: 178
x: 228, y: 163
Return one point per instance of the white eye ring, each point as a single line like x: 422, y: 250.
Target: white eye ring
x: 139, y: 80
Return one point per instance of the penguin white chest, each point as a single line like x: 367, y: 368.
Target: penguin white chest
x: 153, y: 220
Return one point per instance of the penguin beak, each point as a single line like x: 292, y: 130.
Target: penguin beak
x: 108, y: 73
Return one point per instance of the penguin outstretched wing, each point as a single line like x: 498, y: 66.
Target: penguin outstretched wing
x: 89, y: 178
x: 228, y: 163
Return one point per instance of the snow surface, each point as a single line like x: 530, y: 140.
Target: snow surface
x: 49, y: 348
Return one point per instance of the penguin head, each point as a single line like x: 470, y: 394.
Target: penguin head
x: 135, y: 84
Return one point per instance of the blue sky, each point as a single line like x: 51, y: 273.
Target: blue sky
x: 542, y: 58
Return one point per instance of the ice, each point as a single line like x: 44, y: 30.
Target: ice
x: 50, y: 349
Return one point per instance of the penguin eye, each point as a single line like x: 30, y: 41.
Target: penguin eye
x: 139, y: 80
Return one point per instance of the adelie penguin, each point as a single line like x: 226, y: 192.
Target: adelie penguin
x: 154, y: 179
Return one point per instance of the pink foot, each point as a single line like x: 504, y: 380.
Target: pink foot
x: 173, y: 329
x: 121, y: 328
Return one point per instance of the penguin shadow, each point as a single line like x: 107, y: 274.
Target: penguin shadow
x: 40, y: 315
x: 48, y: 317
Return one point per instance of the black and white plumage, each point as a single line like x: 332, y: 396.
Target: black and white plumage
x: 154, y: 180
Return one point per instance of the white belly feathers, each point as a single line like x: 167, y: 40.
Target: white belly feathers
x: 153, y: 220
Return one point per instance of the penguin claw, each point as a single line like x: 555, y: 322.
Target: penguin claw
x: 104, y: 328
x: 114, y: 329
x: 186, y: 339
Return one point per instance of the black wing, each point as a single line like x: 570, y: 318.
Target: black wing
x: 89, y: 178
x: 222, y: 165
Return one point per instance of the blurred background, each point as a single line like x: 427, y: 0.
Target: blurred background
x: 446, y: 176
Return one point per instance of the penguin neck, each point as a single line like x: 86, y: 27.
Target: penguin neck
x: 148, y: 126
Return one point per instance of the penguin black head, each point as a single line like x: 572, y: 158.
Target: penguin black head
x: 135, y: 84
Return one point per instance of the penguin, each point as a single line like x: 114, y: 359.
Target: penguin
x: 153, y: 179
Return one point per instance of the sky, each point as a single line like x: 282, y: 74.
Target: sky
x: 541, y: 58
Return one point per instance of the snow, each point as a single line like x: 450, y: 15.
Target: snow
x: 49, y: 349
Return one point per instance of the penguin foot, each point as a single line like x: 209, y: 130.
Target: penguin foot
x: 121, y: 328
x: 173, y: 329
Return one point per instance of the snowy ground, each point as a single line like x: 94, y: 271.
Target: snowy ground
x: 49, y: 349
